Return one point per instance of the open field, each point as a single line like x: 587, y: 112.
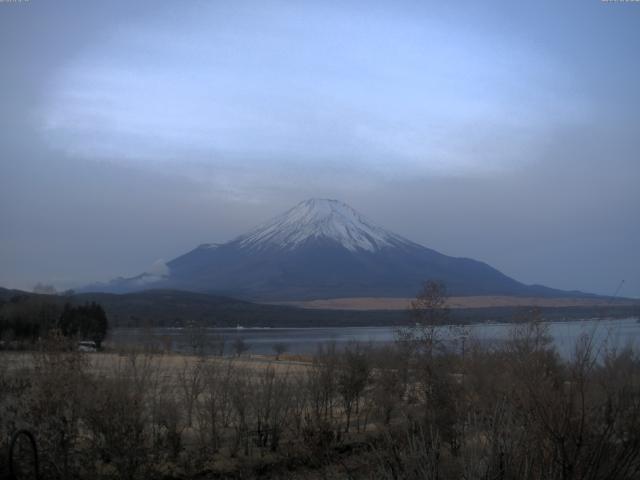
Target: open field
x: 109, y: 364
x: 383, y: 303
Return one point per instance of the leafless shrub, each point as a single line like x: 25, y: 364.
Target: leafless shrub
x: 241, y: 410
x: 118, y: 419
x: 214, y: 409
x: 353, y: 377
x: 170, y: 427
x: 298, y: 405
x: 408, y: 454
x: 53, y: 404
x: 271, y: 396
x: 321, y: 383
x: 390, y: 382
x: 190, y: 383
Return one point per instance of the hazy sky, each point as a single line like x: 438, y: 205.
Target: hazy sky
x: 506, y: 131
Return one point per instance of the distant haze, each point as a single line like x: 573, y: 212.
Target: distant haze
x: 507, y: 132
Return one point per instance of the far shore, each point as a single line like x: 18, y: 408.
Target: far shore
x: 402, y: 303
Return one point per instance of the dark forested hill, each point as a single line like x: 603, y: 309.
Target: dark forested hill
x: 173, y: 308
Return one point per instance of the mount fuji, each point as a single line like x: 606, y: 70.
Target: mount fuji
x: 322, y: 249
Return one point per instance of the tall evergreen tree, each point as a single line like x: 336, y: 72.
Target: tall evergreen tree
x: 87, y: 321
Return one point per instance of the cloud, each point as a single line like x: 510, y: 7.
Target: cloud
x: 261, y: 88
x: 44, y: 289
x: 159, y: 269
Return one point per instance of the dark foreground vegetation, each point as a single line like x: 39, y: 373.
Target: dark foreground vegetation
x: 422, y: 408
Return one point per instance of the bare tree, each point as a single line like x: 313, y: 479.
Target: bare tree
x: 214, y: 411
x: 240, y: 346
x: 353, y: 377
x: 272, y: 404
x: 196, y: 335
x: 430, y: 305
x: 218, y: 343
x: 190, y: 383
x: 429, y: 312
x: 280, y: 348
x: 241, y: 404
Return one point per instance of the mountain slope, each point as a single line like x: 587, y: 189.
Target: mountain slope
x: 324, y: 249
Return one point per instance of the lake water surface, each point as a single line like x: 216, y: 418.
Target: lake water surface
x: 617, y: 333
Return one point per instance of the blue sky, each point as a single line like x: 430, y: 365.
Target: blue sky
x: 503, y: 131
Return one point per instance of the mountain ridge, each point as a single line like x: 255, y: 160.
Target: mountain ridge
x: 323, y: 248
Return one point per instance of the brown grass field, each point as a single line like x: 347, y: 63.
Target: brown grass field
x: 399, y: 303
x: 171, y: 364
x: 412, y: 410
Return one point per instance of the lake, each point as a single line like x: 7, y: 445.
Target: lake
x: 616, y: 332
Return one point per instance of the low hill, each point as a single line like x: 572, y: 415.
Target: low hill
x: 174, y: 308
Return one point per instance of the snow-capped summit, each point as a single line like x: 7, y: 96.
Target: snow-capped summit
x: 325, y: 219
